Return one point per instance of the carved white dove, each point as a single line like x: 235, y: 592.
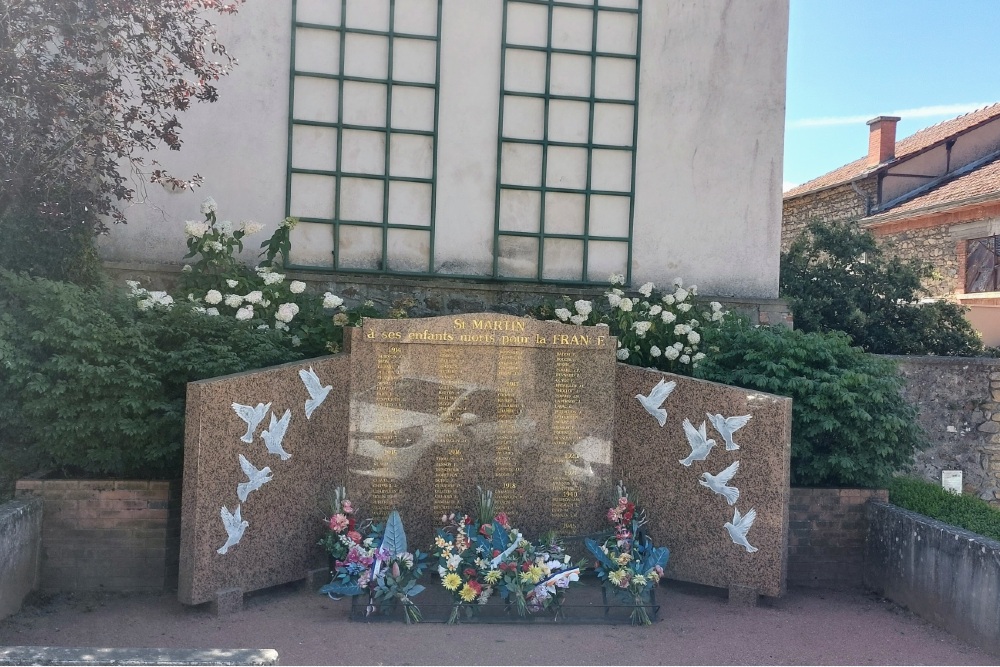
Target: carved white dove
x: 739, y: 527
x: 700, y: 443
x: 252, y: 416
x: 317, y: 392
x: 718, y: 483
x: 655, y: 399
x: 275, y: 433
x: 726, y: 426
x: 235, y: 525
x: 257, y: 478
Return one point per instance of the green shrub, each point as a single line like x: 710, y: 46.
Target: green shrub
x: 90, y: 384
x: 51, y: 241
x: 836, y: 277
x: 850, y: 424
x: 931, y: 500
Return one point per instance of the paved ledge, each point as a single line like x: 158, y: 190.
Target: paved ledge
x: 58, y: 655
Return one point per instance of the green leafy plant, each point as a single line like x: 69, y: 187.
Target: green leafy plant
x: 219, y: 284
x: 850, y: 423
x: 51, y: 243
x: 837, y: 277
x: 92, y: 385
x: 931, y: 500
x: 655, y: 328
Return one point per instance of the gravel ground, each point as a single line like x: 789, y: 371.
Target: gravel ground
x: 697, y: 626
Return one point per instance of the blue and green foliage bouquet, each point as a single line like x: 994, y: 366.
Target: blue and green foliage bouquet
x: 381, y: 566
x: 627, y: 562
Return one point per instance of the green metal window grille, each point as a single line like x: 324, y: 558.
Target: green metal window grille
x: 362, y: 134
x: 565, y: 189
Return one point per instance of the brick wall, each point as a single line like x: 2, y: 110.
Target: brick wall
x: 826, y: 537
x: 108, y: 535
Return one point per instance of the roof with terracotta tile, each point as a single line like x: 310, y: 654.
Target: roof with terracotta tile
x: 907, y: 147
x: 982, y: 183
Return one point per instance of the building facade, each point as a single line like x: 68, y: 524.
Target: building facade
x: 547, y: 143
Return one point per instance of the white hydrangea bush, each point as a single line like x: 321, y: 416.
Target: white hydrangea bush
x: 656, y: 328
x: 216, y: 283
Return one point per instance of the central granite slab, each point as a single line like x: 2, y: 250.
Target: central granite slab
x: 439, y: 406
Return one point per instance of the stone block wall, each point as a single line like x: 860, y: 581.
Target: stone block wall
x: 107, y: 535
x: 826, y: 536
x: 834, y: 204
x: 934, y: 245
x: 20, y: 535
x: 958, y: 403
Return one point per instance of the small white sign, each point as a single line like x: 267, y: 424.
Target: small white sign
x: 951, y: 480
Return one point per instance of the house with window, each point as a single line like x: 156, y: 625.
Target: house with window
x: 934, y: 195
x: 482, y: 152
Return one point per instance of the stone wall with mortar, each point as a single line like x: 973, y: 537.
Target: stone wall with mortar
x: 958, y: 401
x: 827, y: 529
x: 947, y: 575
x: 20, y: 538
x: 934, y: 245
x: 839, y: 203
x: 107, y: 535
x: 428, y: 297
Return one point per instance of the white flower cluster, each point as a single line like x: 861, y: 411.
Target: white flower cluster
x: 196, y: 229
x: 331, y: 300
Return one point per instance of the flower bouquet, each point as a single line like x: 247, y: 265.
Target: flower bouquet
x: 394, y: 579
x: 455, y: 551
x: 478, y: 558
x: 627, y: 562
x: 343, y: 529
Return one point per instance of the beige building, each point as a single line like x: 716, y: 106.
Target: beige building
x: 495, y: 142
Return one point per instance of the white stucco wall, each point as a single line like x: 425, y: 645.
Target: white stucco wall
x: 708, y: 164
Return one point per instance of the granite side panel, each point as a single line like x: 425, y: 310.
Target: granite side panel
x: 689, y: 518
x: 285, y: 514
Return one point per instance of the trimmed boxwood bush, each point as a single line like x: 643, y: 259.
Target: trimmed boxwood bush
x: 92, y: 385
x: 931, y: 500
x: 850, y: 423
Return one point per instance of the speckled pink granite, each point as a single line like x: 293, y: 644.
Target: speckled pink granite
x: 451, y: 403
x: 285, y: 514
x: 687, y: 517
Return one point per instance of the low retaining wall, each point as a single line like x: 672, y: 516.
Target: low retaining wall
x: 826, y: 536
x: 20, y: 536
x: 947, y: 575
x: 107, y: 535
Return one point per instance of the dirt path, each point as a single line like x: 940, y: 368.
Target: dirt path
x: 698, y: 627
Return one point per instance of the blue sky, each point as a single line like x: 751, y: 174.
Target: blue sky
x: 852, y: 60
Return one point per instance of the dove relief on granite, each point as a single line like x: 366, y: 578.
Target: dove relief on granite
x: 699, y: 441
x: 252, y: 416
x: 718, y: 483
x: 257, y: 478
x: 726, y: 426
x: 275, y: 433
x: 739, y: 526
x: 317, y: 392
x: 654, y: 400
x: 234, y: 525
